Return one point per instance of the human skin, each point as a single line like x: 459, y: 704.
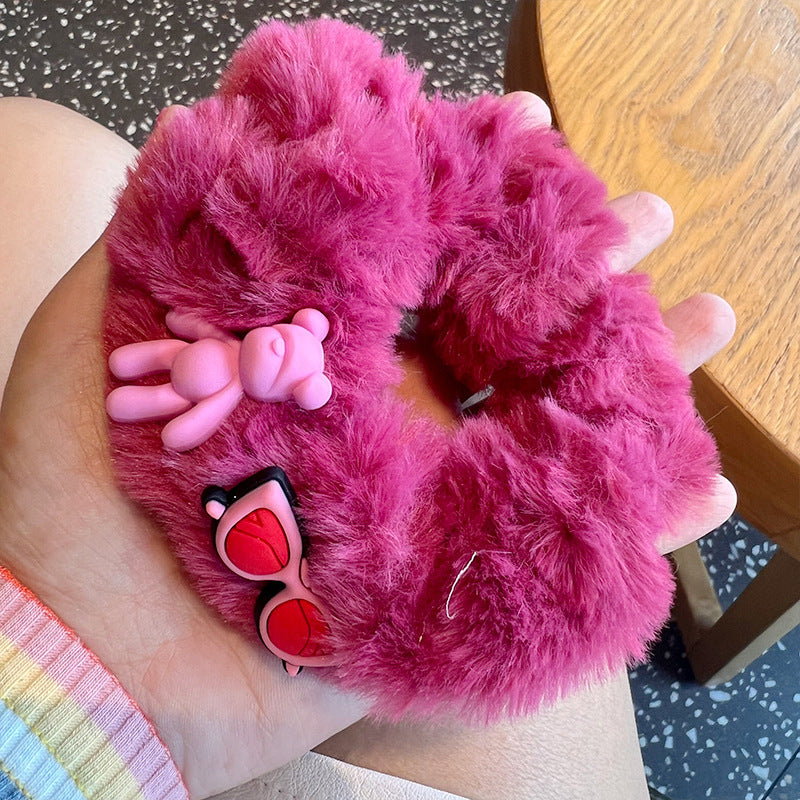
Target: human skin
x: 225, y: 709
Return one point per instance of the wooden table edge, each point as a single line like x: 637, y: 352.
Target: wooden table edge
x: 768, y: 482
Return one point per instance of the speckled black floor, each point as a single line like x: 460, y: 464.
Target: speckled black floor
x: 736, y: 741
x: 120, y: 61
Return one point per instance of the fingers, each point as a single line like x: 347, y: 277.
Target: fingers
x: 714, y: 511
x: 165, y: 114
x: 649, y: 221
x: 165, y: 117
x: 533, y: 109
x: 702, y: 326
x: 647, y: 216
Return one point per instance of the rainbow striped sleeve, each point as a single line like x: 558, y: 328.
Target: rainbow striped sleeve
x: 68, y: 730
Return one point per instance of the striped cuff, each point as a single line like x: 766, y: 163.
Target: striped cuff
x: 68, y: 730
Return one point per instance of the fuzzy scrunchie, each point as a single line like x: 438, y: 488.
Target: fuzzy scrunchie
x: 479, y: 571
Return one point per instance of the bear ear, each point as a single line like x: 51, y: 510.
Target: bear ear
x: 215, y: 501
x: 313, y: 321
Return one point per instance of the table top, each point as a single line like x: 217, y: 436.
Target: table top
x: 699, y: 101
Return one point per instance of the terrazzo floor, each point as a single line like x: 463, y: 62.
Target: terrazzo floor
x: 736, y: 741
x: 120, y: 61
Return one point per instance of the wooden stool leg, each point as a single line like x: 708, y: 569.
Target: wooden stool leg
x: 720, y: 645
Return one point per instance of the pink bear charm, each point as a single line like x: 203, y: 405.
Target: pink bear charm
x: 211, y: 371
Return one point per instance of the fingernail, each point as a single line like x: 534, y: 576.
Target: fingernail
x: 531, y: 106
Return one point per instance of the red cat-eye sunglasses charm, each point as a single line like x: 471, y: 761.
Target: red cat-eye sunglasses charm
x: 256, y: 535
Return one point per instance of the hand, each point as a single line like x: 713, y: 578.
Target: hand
x: 222, y: 704
x: 702, y: 325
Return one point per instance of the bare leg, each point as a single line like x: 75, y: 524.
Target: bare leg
x: 585, y: 745
x: 58, y: 175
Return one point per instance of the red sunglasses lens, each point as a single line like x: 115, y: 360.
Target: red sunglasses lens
x: 298, y: 628
x: 257, y: 544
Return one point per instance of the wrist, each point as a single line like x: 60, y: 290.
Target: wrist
x: 69, y: 728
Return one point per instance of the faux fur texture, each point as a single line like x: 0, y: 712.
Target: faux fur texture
x: 479, y: 572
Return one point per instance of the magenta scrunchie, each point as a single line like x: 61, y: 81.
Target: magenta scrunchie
x: 480, y: 571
